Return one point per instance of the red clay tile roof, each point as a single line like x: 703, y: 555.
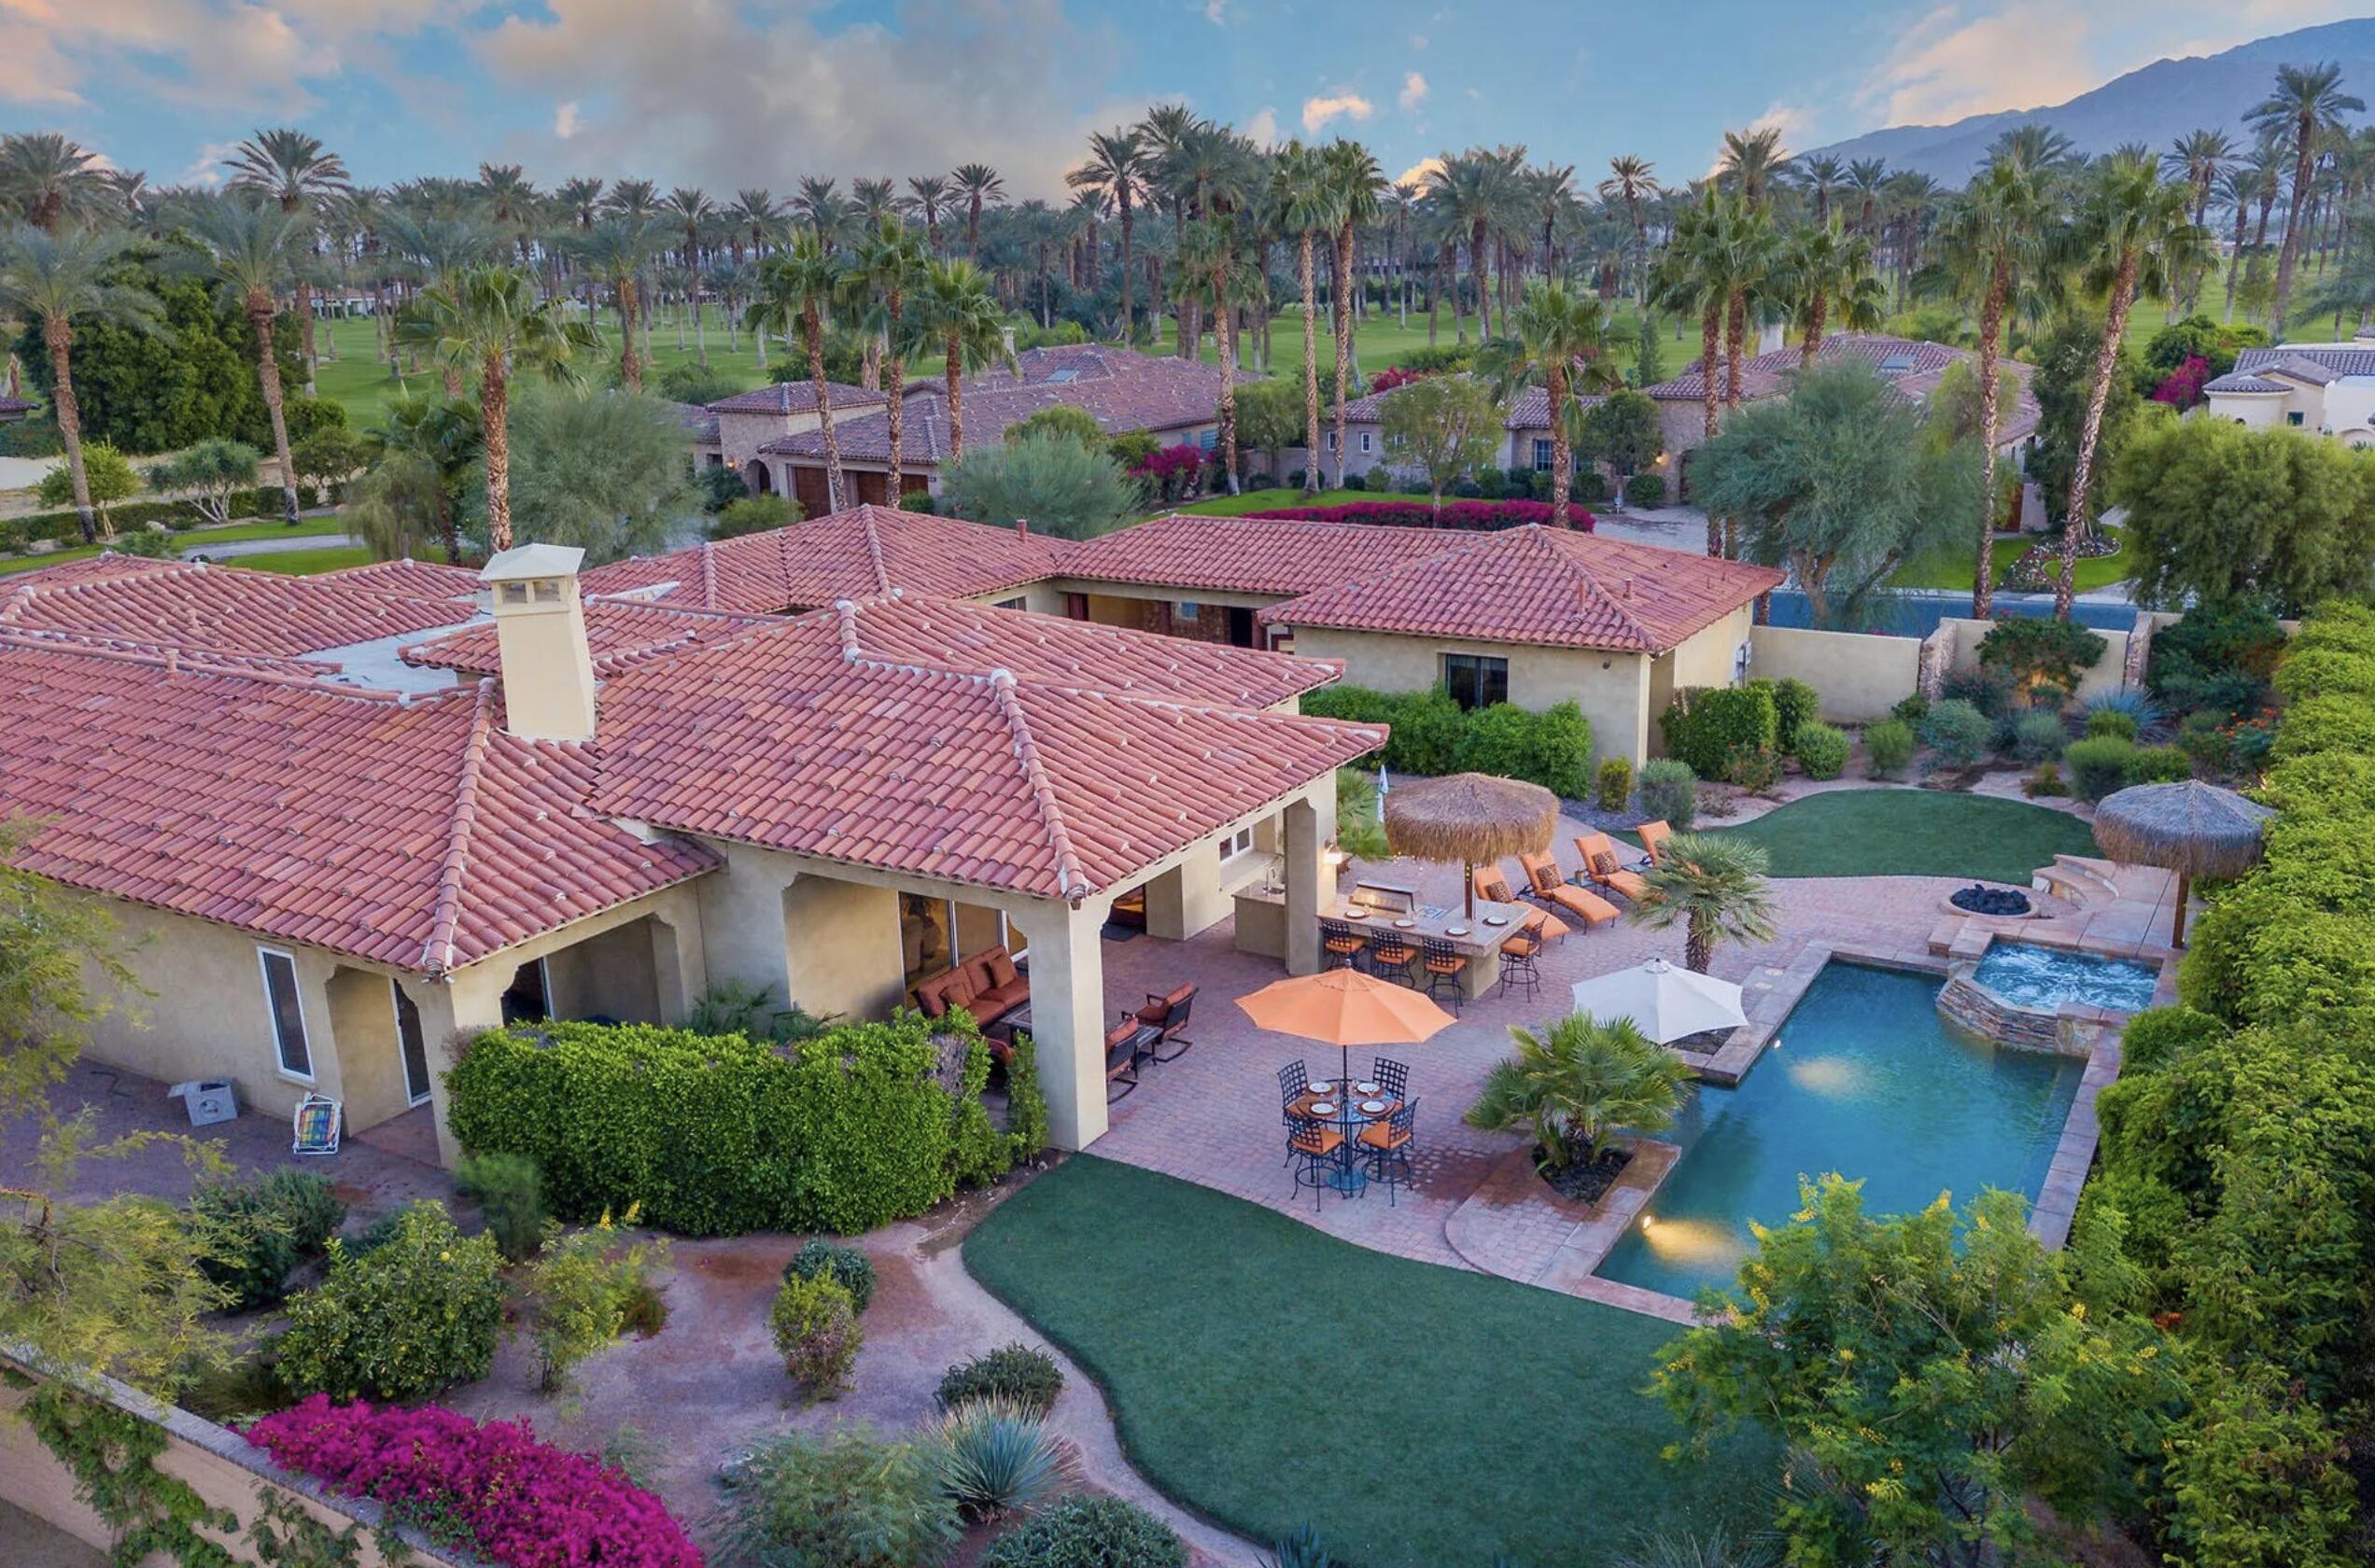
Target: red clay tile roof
x: 103, y: 567
x: 1540, y: 586
x: 223, y: 608
x: 861, y: 551
x: 617, y: 632
x: 844, y: 736
x: 795, y: 396
x: 1248, y: 554
x: 416, y: 579
x: 412, y: 833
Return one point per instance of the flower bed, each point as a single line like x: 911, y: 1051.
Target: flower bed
x: 2039, y: 567
x: 1418, y: 514
x: 512, y: 1499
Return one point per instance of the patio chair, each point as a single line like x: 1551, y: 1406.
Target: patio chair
x: 1387, y: 1144
x: 1317, y: 1147
x: 315, y: 1125
x: 1293, y: 1079
x: 1549, y: 886
x: 1341, y: 945
x: 1167, y: 1015
x: 1391, y: 955
x: 1445, y: 966
x: 1122, y: 1060
x: 1392, y: 1076
x: 1518, y: 968
x: 1653, y: 837
x: 1600, y: 863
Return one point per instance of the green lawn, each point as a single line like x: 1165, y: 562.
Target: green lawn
x: 1272, y: 499
x: 306, y: 563
x: 1267, y: 1375
x: 1914, y: 833
x: 197, y: 539
x: 1951, y: 567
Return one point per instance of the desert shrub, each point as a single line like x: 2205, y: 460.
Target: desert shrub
x: 2214, y: 657
x: 2106, y: 722
x: 916, y: 501
x: 1615, y: 787
x: 1755, y: 768
x: 2046, y: 781
x: 1089, y: 1531
x: 1355, y: 480
x: 814, y: 1323
x: 1888, y: 749
x: 997, y: 1457
x: 2038, y: 737
x: 2159, y: 764
x: 1795, y: 705
x: 1029, y: 1377
x: 1669, y: 789
x: 822, y: 1259
x: 258, y: 1231
x: 1822, y: 750
x: 2098, y: 765
x: 1703, y: 726
x: 2032, y: 647
x: 754, y: 514
x: 1647, y: 490
x: 413, y: 1316
x: 1985, y: 687
x: 849, y: 1500
x: 579, y: 1291
x: 1958, y: 732
x: 509, y: 1190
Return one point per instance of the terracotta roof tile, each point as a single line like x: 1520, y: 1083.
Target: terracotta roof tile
x: 795, y: 396
x: 1248, y: 554
x: 224, y: 609
x: 617, y: 632
x: 418, y: 580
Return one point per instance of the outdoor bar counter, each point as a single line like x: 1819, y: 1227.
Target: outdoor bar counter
x: 1261, y: 927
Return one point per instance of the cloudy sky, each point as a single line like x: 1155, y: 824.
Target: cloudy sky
x: 724, y: 95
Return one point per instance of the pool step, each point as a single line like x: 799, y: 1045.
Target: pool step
x: 1970, y: 942
x: 1942, y: 934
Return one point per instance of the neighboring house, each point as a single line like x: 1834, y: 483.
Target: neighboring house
x: 14, y: 410
x: 2325, y: 388
x: 737, y: 428
x: 1525, y: 443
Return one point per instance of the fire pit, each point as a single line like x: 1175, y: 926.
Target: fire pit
x: 1980, y: 898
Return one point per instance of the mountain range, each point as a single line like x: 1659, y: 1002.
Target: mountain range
x: 2154, y: 103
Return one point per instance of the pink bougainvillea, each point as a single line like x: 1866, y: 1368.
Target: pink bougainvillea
x: 527, y: 1505
x: 1386, y: 381
x: 2181, y: 387
x: 1173, y: 471
x: 1418, y: 514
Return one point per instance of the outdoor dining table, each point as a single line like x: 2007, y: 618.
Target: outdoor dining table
x: 1366, y: 1106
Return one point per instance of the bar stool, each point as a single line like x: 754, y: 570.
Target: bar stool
x: 1341, y: 945
x: 1444, y: 965
x: 1518, y: 968
x: 1391, y: 955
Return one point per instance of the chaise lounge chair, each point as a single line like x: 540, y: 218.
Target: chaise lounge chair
x: 1601, y: 865
x: 1493, y: 887
x: 1549, y: 886
x: 1654, y: 837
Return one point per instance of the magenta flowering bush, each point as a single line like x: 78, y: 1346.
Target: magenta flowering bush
x: 2181, y: 387
x: 524, y: 1504
x: 1418, y: 514
x: 1171, y: 472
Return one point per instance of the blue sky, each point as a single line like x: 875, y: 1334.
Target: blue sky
x: 723, y: 94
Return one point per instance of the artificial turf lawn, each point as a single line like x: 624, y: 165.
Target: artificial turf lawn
x: 1913, y: 833
x: 1268, y: 1375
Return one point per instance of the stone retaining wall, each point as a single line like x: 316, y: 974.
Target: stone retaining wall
x: 1969, y: 1006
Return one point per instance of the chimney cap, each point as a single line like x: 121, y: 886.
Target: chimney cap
x: 525, y: 561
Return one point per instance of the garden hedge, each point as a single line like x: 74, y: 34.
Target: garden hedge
x: 1704, y: 726
x: 1431, y: 734
x: 64, y: 528
x: 717, y: 1134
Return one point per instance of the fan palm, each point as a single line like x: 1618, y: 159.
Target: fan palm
x: 295, y: 170
x: 978, y: 183
x: 1574, y: 1086
x: 47, y: 179
x: 1355, y: 191
x: 1713, y: 885
x: 957, y: 309
x: 2307, y: 102
x: 435, y: 250
x: 615, y: 251
x: 1552, y: 335
x: 891, y: 264
x: 55, y: 281
x: 1117, y: 165
x: 436, y: 439
x: 1302, y: 203
x: 1826, y: 271
x: 248, y: 248
x: 800, y: 287
x: 1693, y: 278
x: 489, y: 320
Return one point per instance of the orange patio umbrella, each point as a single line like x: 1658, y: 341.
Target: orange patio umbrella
x: 1344, y: 1008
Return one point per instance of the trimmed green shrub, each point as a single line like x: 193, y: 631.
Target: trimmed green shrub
x: 1794, y: 707
x: 1956, y: 732
x: 2030, y: 646
x: 1822, y: 750
x: 1087, y: 1530
x: 2104, y: 721
x: 2038, y: 737
x: 822, y: 1259
x: 1668, y: 792
x: 2159, y: 764
x: 1888, y: 749
x: 260, y: 1230
x: 849, y: 1500
x: 2046, y: 781
x: 1027, y: 1376
x: 1615, y: 783
x: 1987, y: 688
x: 1432, y: 736
x: 416, y: 1314
x: 814, y: 1323
x: 1704, y: 725
x: 916, y: 501
x: 2098, y: 765
x: 1647, y: 490
x: 717, y: 1134
x: 509, y: 1191
x: 1910, y: 709
x: 1562, y: 751
x: 2159, y: 1035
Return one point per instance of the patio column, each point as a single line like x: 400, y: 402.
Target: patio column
x: 1068, y: 1018
x: 464, y: 1003
x: 679, y: 973
x: 1307, y: 832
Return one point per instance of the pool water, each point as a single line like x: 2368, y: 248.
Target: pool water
x: 2044, y: 977
x: 1867, y: 1080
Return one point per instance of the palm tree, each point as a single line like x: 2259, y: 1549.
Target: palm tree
x: 249, y: 247
x: 2307, y: 102
x: 928, y: 199
x: 436, y: 250
x: 437, y: 438
x: 873, y: 199
x: 511, y: 201
x: 1632, y: 182
x: 1575, y: 1085
x: 288, y: 166
x: 1752, y: 161
x: 2199, y: 158
x: 801, y: 285
x: 1471, y: 186
x: 1712, y: 885
x: 1356, y: 184
x: 957, y: 309
x: 1302, y: 203
x: 1993, y: 245
x: 633, y: 199
x: 754, y: 213
x: 977, y: 183
x: 1209, y: 260
x: 581, y: 198
x: 1826, y: 271
x: 615, y: 251
x: 2133, y: 232
x: 46, y: 178
x: 891, y: 264
x: 1867, y: 178
x: 1695, y: 278
x: 1819, y: 174
x: 490, y: 320
x: 1552, y: 335
x: 55, y: 281
x: 1118, y: 166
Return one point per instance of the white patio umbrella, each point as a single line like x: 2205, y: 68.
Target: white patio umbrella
x: 1664, y: 1002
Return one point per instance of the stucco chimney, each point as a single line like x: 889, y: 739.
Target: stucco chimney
x: 1006, y: 335
x: 1023, y: 526
x: 548, y: 673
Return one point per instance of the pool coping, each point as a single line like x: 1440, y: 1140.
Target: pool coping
x: 1515, y: 1226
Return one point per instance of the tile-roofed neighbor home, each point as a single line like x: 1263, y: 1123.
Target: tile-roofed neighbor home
x: 797, y: 397
x: 618, y: 631
x: 226, y: 609
x: 1249, y: 555
x: 1542, y: 586
x: 419, y: 579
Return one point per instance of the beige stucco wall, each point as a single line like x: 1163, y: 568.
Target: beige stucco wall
x: 1859, y: 676
x: 2109, y: 673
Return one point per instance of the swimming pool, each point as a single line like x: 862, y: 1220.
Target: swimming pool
x: 1867, y: 1080
x: 2045, y: 977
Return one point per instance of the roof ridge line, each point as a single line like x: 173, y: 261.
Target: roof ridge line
x: 437, y: 949
x: 1592, y: 580
x: 874, y: 547
x: 1071, y: 878
x: 268, y: 668
x: 709, y: 574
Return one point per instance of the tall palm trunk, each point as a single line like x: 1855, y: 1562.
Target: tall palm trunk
x: 1344, y: 340
x: 1992, y: 309
x: 630, y: 358
x: 1477, y: 265
x: 260, y: 313
x: 1817, y: 312
x: 1698, y: 942
x: 57, y: 334
x: 1735, y: 327
x: 1225, y: 331
x: 955, y: 386
x: 1434, y: 291
x: 1311, y: 373
x: 305, y: 331
x: 1710, y: 335
x: 2304, y: 139
x: 1129, y: 221
x: 2235, y: 261
x: 1562, y: 453
x: 2074, y: 527
x: 495, y: 403
x: 700, y: 331
x: 812, y: 328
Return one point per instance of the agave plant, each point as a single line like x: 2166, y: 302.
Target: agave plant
x: 995, y: 1457
x: 1714, y: 1549
x: 1301, y: 1549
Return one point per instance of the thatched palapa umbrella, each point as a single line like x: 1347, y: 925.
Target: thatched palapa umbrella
x: 2193, y: 829
x: 1468, y: 818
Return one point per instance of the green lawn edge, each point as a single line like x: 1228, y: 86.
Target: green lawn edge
x: 1912, y: 832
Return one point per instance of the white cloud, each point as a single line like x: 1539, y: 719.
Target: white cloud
x: 1949, y: 63
x: 566, y: 121
x: 206, y: 169
x: 1216, y: 12
x: 1346, y: 103
x: 1414, y: 90
x: 1416, y: 174
x: 1263, y: 129
x: 191, y: 53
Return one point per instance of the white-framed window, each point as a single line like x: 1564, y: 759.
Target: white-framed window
x: 1239, y: 843
x: 1541, y: 456
x: 1367, y: 440
x: 1188, y: 610
x: 287, y: 1011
